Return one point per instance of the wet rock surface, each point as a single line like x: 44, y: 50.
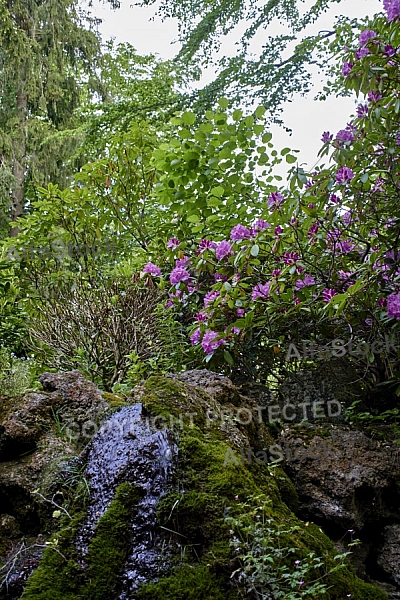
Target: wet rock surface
x: 128, y: 449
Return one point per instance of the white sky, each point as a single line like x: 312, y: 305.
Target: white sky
x: 306, y: 117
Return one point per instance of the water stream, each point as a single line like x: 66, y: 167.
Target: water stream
x: 127, y: 449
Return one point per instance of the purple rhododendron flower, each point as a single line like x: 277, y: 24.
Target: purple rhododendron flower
x: 346, y: 68
x: 178, y: 274
x: 219, y: 277
x: 361, y: 53
x: 374, y: 96
x: 313, y: 229
x: 210, y: 297
x: 259, y: 225
x: 223, y: 249
x: 204, y: 244
x: 381, y: 302
x: 183, y: 262
x: 240, y: 312
x: 362, y: 111
x: 152, y: 269
x: 209, y: 343
x: 328, y: 294
x: 345, y: 247
x: 173, y: 242
x: 195, y: 337
x: 201, y: 317
x: 389, y: 50
x: 235, y: 330
x: 347, y: 217
x: 392, y: 8
x: 344, y: 274
x: 240, y: 232
x: 393, y: 306
x: 308, y: 280
x: 290, y: 258
x: 278, y: 230
x: 335, y: 199
x: 260, y: 291
x: 344, y: 175
x: 366, y: 35
x: 275, y: 200
x: 276, y: 272
x: 345, y: 135
x: 326, y: 137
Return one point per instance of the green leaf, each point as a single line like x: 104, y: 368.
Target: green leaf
x: 217, y: 191
x: 229, y: 358
x: 194, y: 218
x: 255, y: 250
x: 290, y: 158
x: 260, y: 111
x: 223, y: 103
x: 188, y: 118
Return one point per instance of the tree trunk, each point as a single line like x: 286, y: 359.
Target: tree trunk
x: 19, y: 155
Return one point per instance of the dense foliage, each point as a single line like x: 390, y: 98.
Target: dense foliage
x: 262, y: 274
x: 314, y: 263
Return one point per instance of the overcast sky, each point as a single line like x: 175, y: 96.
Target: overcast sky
x: 307, y: 118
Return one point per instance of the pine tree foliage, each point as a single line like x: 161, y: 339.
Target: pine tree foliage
x: 46, y: 56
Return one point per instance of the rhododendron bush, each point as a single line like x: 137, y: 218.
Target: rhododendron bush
x: 253, y: 265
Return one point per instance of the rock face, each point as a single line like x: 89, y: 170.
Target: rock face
x: 350, y: 485
x: 322, y: 394
x: 148, y: 492
x: 39, y: 433
x: 389, y: 556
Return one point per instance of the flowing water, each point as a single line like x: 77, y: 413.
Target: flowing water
x: 127, y: 449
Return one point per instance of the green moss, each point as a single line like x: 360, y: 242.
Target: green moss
x: 188, y: 583
x: 212, y: 481
x: 109, y: 547
x: 59, y: 574
x: 115, y: 401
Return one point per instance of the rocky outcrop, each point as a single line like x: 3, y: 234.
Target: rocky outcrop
x: 169, y: 475
x: 39, y: 434
x: 349, y: 483
x: 389, y: 553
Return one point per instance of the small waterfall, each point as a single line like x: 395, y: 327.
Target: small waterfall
x: 127, y: 449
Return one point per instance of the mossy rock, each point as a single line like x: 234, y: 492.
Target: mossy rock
x: 209, y: 486
x: 188, y: 583
x: 115, y: 401
x: 60, y: 575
